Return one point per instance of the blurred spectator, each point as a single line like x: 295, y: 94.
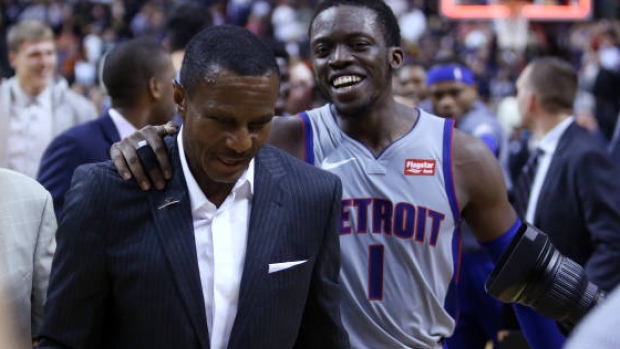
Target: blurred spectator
x: 149, y: 21
x: 413, y: 22
x: 287, y: 28
x: 184, y: 20
x: 47, y: 11
x: 283, y: 60
x: 303, y: 95
x: 35, y: 107
x: 606, y: 87
x: 259, y: 19
x: 410, y: 83
x: 27, y: 244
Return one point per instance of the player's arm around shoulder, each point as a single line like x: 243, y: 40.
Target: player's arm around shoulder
x: 480, y: 188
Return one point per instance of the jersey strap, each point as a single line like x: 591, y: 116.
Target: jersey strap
x: 307, y: 137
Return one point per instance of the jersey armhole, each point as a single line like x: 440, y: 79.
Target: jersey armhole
x: 448, y: 168
x: 307, y: 137
x: 449, y: 183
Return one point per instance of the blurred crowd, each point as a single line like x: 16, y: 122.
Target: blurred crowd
x: 86, y: 29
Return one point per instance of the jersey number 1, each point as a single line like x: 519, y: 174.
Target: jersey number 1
x: 375, y: 272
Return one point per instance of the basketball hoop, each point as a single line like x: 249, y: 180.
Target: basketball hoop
x: 512, y: 31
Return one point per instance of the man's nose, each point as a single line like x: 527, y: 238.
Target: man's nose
x: 240, y: 140
x: 340, y: 55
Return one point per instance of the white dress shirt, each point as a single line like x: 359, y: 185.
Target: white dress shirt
x: 124, y: 128
x: 548, y: 144
x: 30, y: 129
x: 221, y: 238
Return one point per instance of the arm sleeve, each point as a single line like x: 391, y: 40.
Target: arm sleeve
x: 539, y: 331
x: 321, y: 325
x: 78, y: 286
x: 43, y: 254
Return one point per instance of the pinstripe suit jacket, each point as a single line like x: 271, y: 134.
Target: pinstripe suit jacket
x: 126, y: 274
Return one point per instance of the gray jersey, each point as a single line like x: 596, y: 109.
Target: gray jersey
x: 397, y: 233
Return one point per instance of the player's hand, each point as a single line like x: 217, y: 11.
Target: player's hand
x: 153, y: 159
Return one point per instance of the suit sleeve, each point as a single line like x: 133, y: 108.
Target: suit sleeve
x: 598, y: 186
x: 78, y: 284
x: 321, y: 326
x: 58, y: 163
x: 43, y: 254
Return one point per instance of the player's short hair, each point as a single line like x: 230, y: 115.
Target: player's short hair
x: 27, y: 30
x: 385, y: 17
x: 128, y: 68
x: 184, y: 21
x: 554, y: 81
x: 226, y: 47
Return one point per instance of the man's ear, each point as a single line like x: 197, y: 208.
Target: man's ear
x: 532, y: 102
x: 12, y: 58
x: 179, y: 98
x: 397, y: 57
x: 155, y: 88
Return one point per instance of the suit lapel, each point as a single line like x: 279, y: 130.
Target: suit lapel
x: 262, y: 235
x: 175, y: 231
x: 557, y: 162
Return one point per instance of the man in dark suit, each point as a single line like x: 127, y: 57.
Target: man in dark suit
x: 239, y: 251
x: 137, y: 75
x: 573, y: 189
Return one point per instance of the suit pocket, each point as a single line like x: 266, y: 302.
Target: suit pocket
x: 277, y: 267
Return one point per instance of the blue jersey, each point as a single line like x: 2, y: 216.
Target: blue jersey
x: 398, y: 230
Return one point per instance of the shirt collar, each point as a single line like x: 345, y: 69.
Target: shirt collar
x: 197, y: 198
x: 23, y: 100
x: 124, y: 127
x: 550, y: 141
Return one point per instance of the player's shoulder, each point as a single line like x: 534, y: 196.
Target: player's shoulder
x: 470, y: 148
x: 476, y: 170
x: 14, y: 184
x: 103, y: 175
x: 291, y: 167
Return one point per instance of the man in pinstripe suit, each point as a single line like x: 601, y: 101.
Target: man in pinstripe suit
x: 239, y: 251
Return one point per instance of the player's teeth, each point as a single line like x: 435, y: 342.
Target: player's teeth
x: 345, y: 80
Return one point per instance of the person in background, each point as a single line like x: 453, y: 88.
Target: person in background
x: 138, y: 76
x: 35, y: 105
x: 569, y: 165
x: 27, y: 244
x: 303, y: 94
x: 410, y: 84
x: 284, y: 64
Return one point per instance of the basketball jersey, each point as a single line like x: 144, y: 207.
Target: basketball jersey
x: 398, y: 237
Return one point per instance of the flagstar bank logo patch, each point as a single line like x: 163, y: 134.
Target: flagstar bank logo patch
x: 417, y: 167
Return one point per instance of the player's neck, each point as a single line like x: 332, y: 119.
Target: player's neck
x: 380, y: 127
